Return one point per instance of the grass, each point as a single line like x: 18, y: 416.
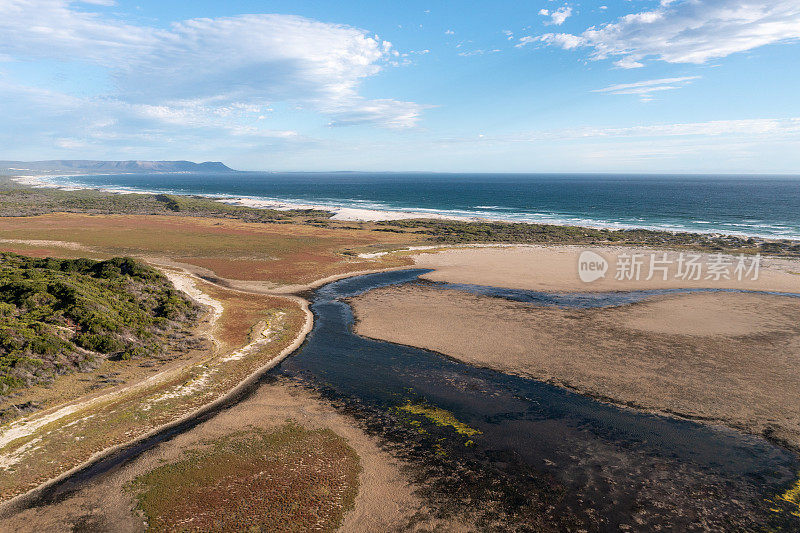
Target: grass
x: 288, y: 479
x: 790, y: 499
x: 16, y: 200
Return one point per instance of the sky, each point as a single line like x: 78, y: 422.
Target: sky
x: 670, y: 86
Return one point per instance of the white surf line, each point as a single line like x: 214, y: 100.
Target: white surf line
x: 362, y: 214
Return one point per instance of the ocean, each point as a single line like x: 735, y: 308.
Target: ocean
x: 759, y: 206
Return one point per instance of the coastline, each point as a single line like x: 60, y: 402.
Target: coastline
x: 343, y: 212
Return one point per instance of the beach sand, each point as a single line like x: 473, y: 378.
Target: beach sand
x: 555, y: 268
x: 730, y: 358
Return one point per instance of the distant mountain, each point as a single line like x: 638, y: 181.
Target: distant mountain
x: 70, y: 165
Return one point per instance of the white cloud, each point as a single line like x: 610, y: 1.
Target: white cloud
x: 478, y: 52
x: 557, y: 16
x: 248, y: 59
x: 774, y: 128
x: 645, y: 89
x: 564, y: 40
x: 749, y: 127
x: 390, y: 113
x: 43, y: 119
x: 687, y: 31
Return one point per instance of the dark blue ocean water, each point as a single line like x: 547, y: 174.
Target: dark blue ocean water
x: 749, y: 205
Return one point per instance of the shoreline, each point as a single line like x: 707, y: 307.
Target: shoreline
x: 345, y: 213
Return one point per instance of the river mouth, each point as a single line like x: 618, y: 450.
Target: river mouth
x: 518, y: 453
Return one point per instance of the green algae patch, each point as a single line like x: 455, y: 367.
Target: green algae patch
x: 291, y: 478
x: 790, y: 498
x: 440, y: 417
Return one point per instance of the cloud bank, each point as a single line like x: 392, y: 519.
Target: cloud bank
x: 685, y: 31
x: 646, y: 89
x: 194, y: 71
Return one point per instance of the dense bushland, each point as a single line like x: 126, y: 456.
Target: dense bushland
x: 456, y: 232
x: 63, y: 315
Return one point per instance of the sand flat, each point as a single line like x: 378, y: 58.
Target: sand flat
x: 555, y: 268
x: 727, y: 357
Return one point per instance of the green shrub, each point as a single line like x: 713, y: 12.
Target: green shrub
x: 50, y: 307
x: 99, y: 343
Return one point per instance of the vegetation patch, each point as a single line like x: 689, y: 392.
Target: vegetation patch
x: 18, y: 200
x: 440, y: 417
x: 62, y: 315
x: 288, y: 479
x: 456, y: 232
x: 281, y: 253
x: 789, y: 501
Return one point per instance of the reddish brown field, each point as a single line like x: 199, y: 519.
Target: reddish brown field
x: 289, y: 479
x: 244, y: 311
x: 281, y: 253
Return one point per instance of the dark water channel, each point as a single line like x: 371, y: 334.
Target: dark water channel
x: 545, y: 458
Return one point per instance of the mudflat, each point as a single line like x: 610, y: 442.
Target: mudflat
x: 730, y: 358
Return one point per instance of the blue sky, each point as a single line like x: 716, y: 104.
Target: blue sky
x: 533, y: 86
